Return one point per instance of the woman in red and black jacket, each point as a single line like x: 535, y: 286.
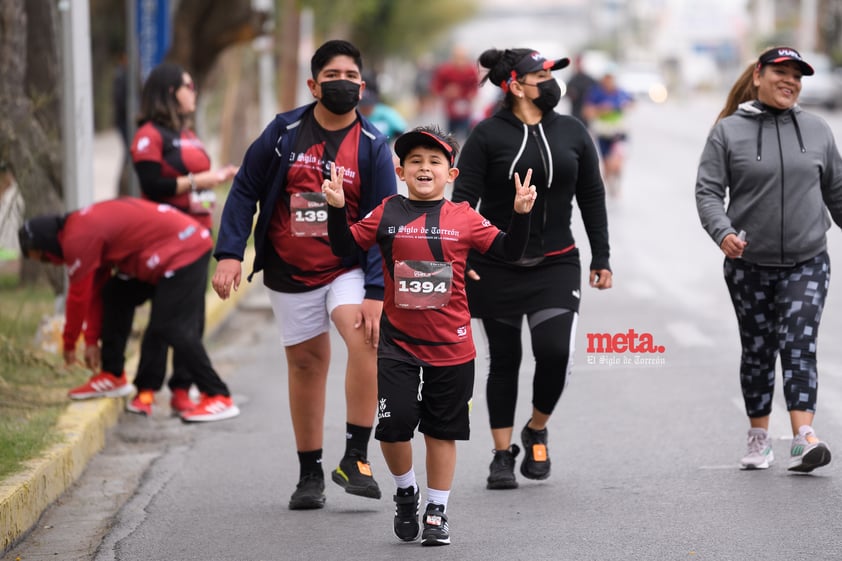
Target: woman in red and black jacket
x: 174, y: 168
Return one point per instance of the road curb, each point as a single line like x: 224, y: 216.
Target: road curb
x: 83, y: 426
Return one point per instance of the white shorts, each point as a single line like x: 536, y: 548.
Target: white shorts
x: 300, y: 316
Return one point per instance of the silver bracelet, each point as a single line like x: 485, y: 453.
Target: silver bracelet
x: 192, y: 181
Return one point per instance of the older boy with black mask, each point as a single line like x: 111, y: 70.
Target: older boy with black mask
x: 309, y: 287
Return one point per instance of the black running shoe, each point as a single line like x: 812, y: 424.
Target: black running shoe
x: 502, y: 469
x: 309, y: 493
x: 354, y: 475
x: 406, y: 514
x: 536, y: 461
x: 436, y: 531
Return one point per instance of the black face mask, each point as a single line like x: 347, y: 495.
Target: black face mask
x: 340, y: 96
x: 549, y: 94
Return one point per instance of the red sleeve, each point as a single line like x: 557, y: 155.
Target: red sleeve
x: 76, y: 309
x: 93, y: 319
x: 147, y: 145
x: 365, y: 230
x: 483, y: 232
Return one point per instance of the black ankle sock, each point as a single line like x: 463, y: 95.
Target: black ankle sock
x: 311, y: 463
x: 356, y: 438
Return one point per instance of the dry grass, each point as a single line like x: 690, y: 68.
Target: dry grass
x: 33, y: 381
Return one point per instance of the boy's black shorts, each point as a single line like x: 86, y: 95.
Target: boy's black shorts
x: 436, y: 399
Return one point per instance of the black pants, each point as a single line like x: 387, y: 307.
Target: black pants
x: 176, y: 320
x: 120, y: 296
x: 156, y: 349
x: 552, y: 332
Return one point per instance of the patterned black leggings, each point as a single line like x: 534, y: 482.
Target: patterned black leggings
x: 778, y: 311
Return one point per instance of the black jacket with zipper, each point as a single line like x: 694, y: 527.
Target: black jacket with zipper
x: 564, y: 164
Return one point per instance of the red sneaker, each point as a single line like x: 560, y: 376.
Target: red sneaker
x: 142, y: 403
x: 181, y: 402
x: 103, y: 384
x: 212, y: 408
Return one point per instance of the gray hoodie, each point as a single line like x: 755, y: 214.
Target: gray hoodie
x: 781, y: 173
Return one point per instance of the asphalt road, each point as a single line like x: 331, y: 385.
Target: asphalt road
x: 644, y: 446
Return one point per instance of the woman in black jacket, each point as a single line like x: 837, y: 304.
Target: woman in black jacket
x: 526, y: 133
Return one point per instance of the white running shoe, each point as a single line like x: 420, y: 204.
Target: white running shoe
x: 807, y: 452
x: 760, y: 454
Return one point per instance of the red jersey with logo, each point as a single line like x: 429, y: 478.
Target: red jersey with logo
x: 179, y: 153
x: 302, y: 257
x: 135, y: 237
x: 425, y: 245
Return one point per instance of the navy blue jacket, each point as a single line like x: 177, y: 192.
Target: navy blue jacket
x: 262, y: 178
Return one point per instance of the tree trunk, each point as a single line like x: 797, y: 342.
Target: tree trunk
x: 29, y: 105
x: 202, y: 29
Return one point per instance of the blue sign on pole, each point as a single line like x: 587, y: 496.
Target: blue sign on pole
x: 153, y: 33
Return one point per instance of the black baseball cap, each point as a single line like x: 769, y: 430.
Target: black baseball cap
x: 535, y: 61
x: 422, y: 137
x: 778, y: 55
x: 41, y: 233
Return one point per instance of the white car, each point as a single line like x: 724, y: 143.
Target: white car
x: 824, y: 88
x: 643, y: 82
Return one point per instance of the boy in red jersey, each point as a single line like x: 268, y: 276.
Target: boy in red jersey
x: 425, y: 365
x: 153, y: 244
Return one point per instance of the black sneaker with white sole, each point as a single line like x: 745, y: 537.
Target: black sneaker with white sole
x: 406, y: 514
x: 436, y: 530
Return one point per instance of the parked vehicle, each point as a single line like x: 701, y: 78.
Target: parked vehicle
x: 643, y: 81
x: 824, y: 88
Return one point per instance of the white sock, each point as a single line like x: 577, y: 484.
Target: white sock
x: 406, y: 480
x: 438, y: 497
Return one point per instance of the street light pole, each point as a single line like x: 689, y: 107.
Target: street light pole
x: 77, y: 104
x: 132, y: 72
x: 809, y: 25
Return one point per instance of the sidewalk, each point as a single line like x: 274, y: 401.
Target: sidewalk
x: 83, y: 426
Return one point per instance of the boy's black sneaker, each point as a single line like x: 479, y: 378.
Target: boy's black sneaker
x: 406, y: 514
x: 354, y: 475
x: 536, y: 461
x: 309, y: 493
x: 436, y: 531
x: 502, y: 469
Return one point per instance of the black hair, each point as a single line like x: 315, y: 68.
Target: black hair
x: 500, y: 65
x: 331, y: 49
x: 157, y: 99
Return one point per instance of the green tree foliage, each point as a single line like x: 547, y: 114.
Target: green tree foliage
x: 389, y: 28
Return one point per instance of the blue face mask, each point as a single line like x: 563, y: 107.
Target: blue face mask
x: 340, y: 96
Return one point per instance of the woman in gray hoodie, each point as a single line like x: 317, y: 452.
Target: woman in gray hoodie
x: 780, y: 171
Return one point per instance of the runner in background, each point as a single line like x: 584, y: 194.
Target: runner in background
x: 605, y: 110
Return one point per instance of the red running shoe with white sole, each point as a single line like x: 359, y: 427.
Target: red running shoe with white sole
x: 181, y: 402
x: 142, y: 403
x: 103, y: 384
x: 212, y: 408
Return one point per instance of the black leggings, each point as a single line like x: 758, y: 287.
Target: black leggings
x: 552, y: 332
x: 778, y: 311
